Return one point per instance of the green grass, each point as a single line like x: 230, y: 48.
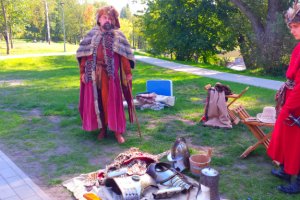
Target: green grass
x: 40, y: 122
x: 23, y: 47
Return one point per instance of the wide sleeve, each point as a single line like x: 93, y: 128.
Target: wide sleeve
x: 126, y: 78
x: 294, y: 63
x: 82, y: 66
x: 126, y: 71
x: 292, y: 102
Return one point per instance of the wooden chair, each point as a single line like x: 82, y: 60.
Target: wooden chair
x: 236, y: 96
x: 234, y: 119
x: 254, y: 125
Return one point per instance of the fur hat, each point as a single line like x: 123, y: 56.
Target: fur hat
x: 292, y: 15
x: 111, y: 12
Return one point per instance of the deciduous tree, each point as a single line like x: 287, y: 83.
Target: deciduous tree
x: 188, y: 29
x: 266, y: 43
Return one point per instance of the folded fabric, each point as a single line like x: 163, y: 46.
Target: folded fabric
x: 146, y: 98
x: 168, y: 100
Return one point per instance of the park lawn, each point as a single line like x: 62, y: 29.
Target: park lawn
x: 40, y: 127
x: 40, y: 47
x: 29, y: 47
x: 249, y: 72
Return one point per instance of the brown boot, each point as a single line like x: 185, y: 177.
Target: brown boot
x: 119, y: 138
x: 102, y: 134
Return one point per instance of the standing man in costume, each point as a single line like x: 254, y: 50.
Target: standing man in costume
x: 105, y: 60
x: 285, y: 143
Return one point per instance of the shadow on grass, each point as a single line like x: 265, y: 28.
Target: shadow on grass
x: 41, y: 129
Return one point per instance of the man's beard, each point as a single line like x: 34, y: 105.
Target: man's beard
x: 107, y: 26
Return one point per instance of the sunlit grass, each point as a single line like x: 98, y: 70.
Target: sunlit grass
x: 29, y: 47
x: 40, y: 120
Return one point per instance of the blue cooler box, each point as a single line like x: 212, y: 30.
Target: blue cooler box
x: 160, y: 87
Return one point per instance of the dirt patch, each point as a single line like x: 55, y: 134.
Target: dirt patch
x: 60, y: 150
x: 72, y: 106
x: 54, y: 119
x: 165, y: 120
x: 99, y: 160
x: 34, y: 113
x: 240, y: 166
x: 12, y: 82
x: 198, y: 148
x: 58, y: 193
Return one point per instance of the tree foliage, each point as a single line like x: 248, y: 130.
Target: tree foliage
x: 125, y: 12
x: 201, y: 28
x: 263, y: 36
x: 126, y: 28
x: 27, y: 19
x: 139, y: 36
x: 188, y: 29
x: 12, y: 19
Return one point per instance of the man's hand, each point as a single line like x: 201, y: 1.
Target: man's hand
x: 129, y: 77
x: 82, y: 78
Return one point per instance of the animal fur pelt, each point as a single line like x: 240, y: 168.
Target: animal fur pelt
x: 92, y: 39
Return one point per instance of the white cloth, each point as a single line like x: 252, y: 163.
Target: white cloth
x: 168, y: 100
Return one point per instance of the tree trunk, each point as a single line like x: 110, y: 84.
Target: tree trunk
x: 47, y: 22
x: 268, y: 35
x: 6, y: 34
x: 11, y: 38
x: 256, y: 23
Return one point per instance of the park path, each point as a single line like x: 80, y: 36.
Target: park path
x: 15, y: 184
x: 247, y: 80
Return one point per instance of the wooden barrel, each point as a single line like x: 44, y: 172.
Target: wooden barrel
x: 198, y: 162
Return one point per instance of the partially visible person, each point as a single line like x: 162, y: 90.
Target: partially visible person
x: 105, y: 60
x: 285, y: 143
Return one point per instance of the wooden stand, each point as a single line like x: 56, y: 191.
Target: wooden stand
x: 210, y: 178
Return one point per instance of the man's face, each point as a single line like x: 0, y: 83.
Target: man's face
x: 295, y: 30
x: 105, y: 22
